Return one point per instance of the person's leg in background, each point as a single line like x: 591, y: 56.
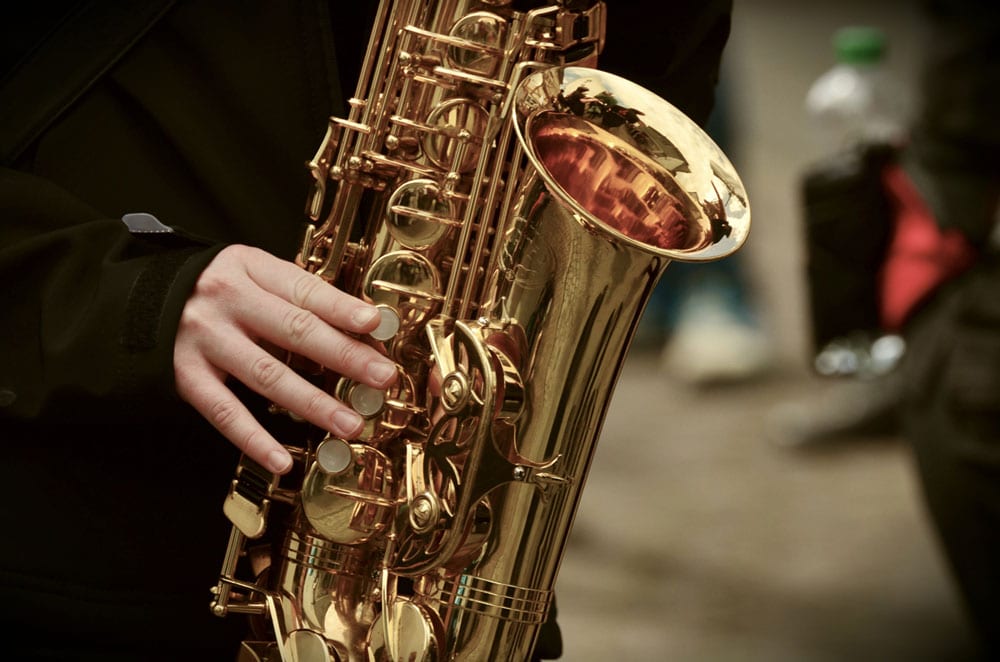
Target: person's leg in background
x: 704, y: 315
x: 951, y: 416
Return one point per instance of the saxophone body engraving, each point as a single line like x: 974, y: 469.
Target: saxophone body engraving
x: 509, y: 209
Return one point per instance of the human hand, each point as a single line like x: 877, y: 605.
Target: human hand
x: 246, y: 297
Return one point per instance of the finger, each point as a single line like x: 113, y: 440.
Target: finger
x: 270, y: 377
x: 306, y: 290
x: 305, y: 333
x: 220, y: 406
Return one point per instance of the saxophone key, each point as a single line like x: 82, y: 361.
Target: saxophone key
x: 388, y: 325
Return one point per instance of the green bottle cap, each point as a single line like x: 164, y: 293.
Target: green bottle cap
x: 859, y: 45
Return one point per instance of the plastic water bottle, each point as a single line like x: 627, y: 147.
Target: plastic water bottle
x: 858, y: 110
x: 857, y: 101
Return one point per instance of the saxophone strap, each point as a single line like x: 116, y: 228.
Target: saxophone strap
x: 57, y: 72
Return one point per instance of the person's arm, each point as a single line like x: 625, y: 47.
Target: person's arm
x: 85, y: 304
x: 103, y: 323
x: 952, y: 155
x: 672, y: 48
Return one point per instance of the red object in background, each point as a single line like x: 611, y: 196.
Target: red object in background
x: 921, y: 256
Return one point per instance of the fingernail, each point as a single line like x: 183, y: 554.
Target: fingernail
x: 364, y: 316
x: 347, y: 423
x: 279, y: 461
x: 381, y: 371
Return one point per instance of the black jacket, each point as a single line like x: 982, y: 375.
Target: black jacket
x: 112, y: 504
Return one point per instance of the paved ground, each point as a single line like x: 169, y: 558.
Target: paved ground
x: 699, y: 539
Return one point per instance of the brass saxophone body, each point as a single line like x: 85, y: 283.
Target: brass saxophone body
x: 509, y: 210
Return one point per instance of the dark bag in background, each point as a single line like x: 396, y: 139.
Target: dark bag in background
x: 848, y: 221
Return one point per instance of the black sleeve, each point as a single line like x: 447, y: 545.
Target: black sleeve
x: 90, y: 310
x: 672, y: 48
x: 956, y: 137
x: 204, y: 125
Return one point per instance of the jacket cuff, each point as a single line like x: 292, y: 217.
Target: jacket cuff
x: 153, y: 309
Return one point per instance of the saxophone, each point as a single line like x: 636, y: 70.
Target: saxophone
x: 509, y: 210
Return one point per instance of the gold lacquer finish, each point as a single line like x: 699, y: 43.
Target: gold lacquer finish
x: 509, y: 209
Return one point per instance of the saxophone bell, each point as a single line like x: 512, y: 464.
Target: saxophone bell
x: 632, y: 164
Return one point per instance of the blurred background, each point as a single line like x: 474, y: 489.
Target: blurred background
x: 713, y: 526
